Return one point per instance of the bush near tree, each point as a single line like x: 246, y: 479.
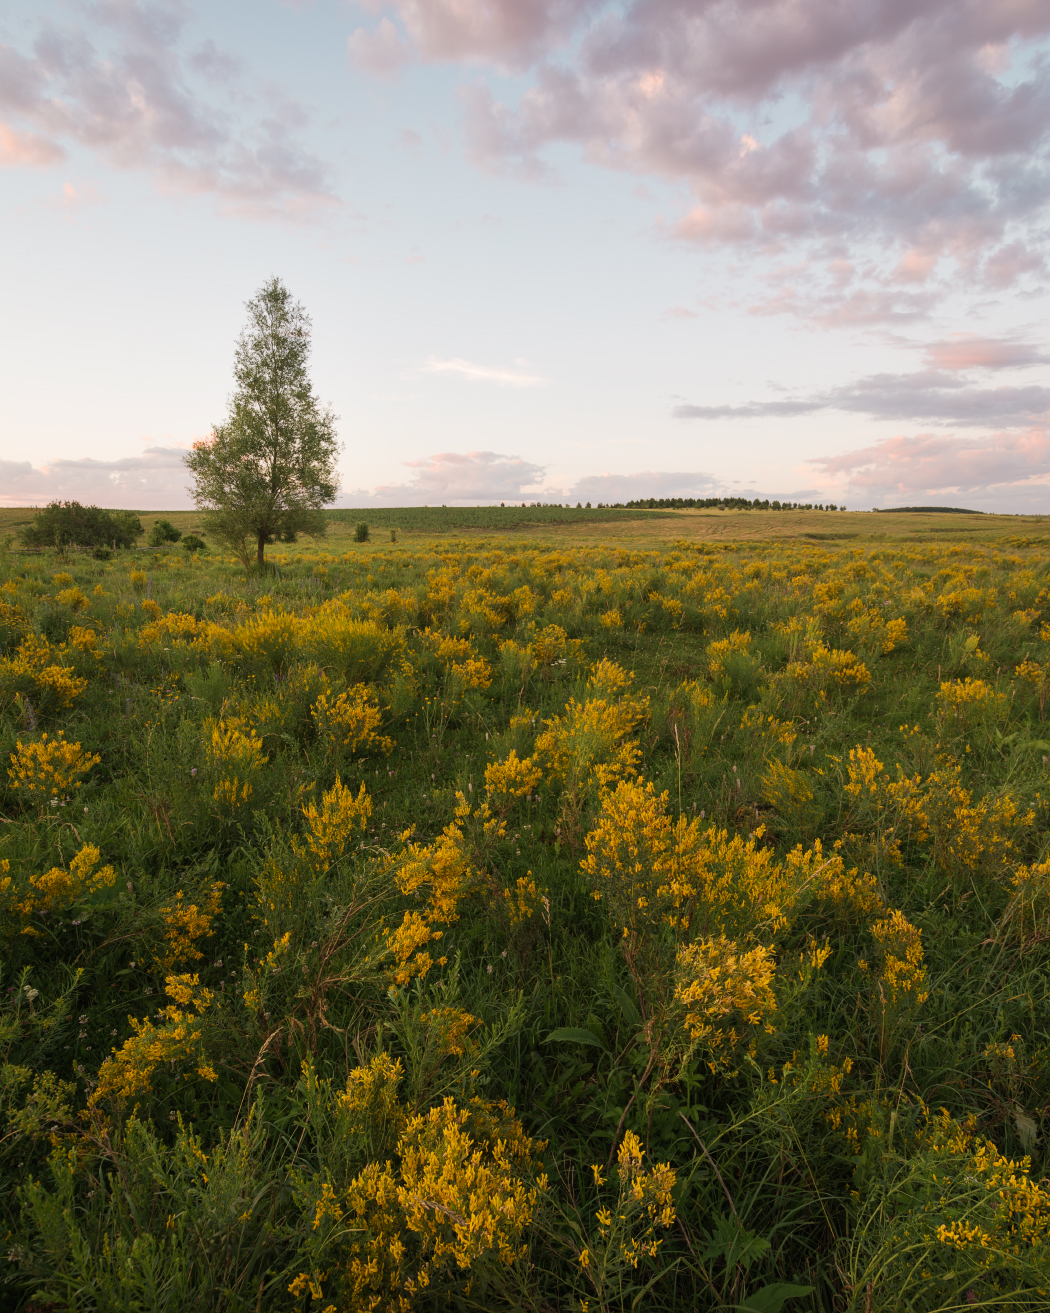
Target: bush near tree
x: 163, y: 531
x: 68, y: 524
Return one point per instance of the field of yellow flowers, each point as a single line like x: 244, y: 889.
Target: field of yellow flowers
x: 528, y: 922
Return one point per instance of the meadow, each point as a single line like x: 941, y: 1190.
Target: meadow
x: 601, y: 911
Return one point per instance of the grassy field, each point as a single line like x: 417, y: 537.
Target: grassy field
x: 601, y: 911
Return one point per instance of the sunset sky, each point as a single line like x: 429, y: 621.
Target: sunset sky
x: 553, y: 250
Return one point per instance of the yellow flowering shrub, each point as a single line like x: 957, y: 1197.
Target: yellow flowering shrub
x: 957, y: 1216
x: 358, y: 650
x: 971, y: 835
x: 332, y: 828
x: 627, y: 1234
x: 36, y: 668
x: 49, y: 768
x: 1038, y: 676
x: 235, y: 757
x: 178, y: 1038
x: 511, y: 779
x: 831, y: 668
x: 588, y: 747
x: 725, y: 996
x: 903, y: 976
x: 166, y: 630
x: 440, y: 874
x: 966, y: 705
x: 786, y: 790
x: 1028, y: 912
x: 52, y: 891
x: 448, y: 1210
x: 522, y: 900
x: 14, y: 623
x: 349, y: 721
x: 73, y: 598
x: 720, y: 652
x: 184, y: 924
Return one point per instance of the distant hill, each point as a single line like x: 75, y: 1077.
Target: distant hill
x: 947, y: 510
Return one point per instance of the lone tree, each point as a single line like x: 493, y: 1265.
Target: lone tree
x: 265, y: 474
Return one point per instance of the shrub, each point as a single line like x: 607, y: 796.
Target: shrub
x: 361, y: 532
x: 64, y: 524
x: 163, y: 531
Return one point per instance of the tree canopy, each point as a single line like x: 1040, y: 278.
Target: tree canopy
x: 67, y: 523
x: 267, y: 471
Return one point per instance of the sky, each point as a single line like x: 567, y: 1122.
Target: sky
x: 553, y: 250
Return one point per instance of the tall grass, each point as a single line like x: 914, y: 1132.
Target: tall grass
x: 368, y: 858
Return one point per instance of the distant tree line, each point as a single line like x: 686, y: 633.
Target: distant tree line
x: 720, y: 504
x: 693, y: 503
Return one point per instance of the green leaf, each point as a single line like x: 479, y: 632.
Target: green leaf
x: 771, y: 1299
x: 627, y: 1005
x: 573, y: 1035
x: 734, y: 1243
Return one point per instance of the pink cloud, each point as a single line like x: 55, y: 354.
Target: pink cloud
x: 967, y: 351
x: 156, y: 480
x: 71, y: 199
x: 451, y: 477
x: 916, y: 133
x: 133, y: 97
x: 380, y: 50
x: 647, y: 483
x: 928, y: 465
x: 509, y: 33
x: 22, y: 150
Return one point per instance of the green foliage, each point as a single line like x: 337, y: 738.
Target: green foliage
x: 64, y: 524
x: 821, y: 1175
x: 494, y: 519
x: 266, y: 472
x: 163, y: 531
x: 361, y: 532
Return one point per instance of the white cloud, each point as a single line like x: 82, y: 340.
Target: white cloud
x: 511, y: 378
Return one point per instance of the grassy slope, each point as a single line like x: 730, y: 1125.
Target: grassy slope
x: 786, y: 1180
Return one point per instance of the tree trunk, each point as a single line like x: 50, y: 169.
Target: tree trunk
x: 262, y: 547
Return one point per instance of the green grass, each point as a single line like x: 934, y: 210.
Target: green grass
x: 768, y: 1191
x: 493, y: 519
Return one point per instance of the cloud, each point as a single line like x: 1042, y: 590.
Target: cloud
x: 913, y: 136
x: 928, y: 395
x: 71, y: 199
x: 156, y: 480
x: 513, y: 378
x: 450, y: 478
x: 507, y: 33
x: 27, y: 150
x: 967, y: 351
x: 133, y: 97
x: 380, y: 50
x: 647, y: 483
x: 1003, y: 468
